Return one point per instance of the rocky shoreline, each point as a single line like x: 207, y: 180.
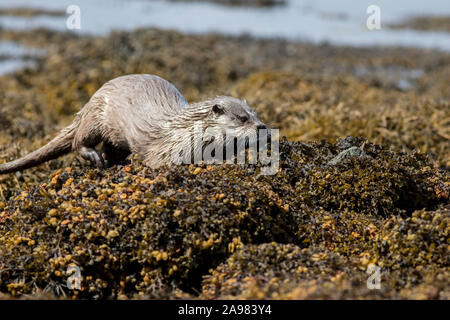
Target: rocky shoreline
x: 310, y: 231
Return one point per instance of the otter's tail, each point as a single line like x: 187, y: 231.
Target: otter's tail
x: 59, y: 146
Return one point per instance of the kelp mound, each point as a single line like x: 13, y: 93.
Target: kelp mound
x: 286, y: 271
x: 270, y: 270
x: 311, y: 230
x: 30, y: 12
x: 424, y: 23
x: 309, y: 108
x: 252, y: 3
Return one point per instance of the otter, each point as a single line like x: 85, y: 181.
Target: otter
x: 142, y: 114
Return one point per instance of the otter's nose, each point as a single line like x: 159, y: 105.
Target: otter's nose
x: 261, y: 126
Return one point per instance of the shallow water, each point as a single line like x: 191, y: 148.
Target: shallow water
x: 337, y: 22
x: 13, y: 56
x: 12, y: 64
x: 9, y: 48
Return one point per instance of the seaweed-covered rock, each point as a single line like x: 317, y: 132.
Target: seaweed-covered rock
x: 269, y: 271
x: 277, y: 271
x: 134, y: 231
x: 254, y: 3
x: 424, y: 23
x: 420, y: 240
x: 384, y: 182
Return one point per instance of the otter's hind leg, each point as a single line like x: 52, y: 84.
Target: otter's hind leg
x: 92, y: 155
x: 113, y: 155
x: 86, y: 139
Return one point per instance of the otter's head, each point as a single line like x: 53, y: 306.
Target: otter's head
x: 220, y: 122
x: 233, y: 116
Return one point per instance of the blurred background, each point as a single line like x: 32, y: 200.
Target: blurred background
x: 337, y: 22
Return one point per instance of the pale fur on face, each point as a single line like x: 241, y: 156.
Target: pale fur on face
x: 223, y: 116
x: 236, y: 119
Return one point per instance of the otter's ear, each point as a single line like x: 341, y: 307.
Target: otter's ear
x: 217, y: 109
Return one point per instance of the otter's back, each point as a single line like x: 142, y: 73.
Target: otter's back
x: 132, y: 107
x: 143, y: 91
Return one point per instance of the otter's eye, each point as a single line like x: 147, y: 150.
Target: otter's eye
x: 243, y: 118
x: 217, y: 109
